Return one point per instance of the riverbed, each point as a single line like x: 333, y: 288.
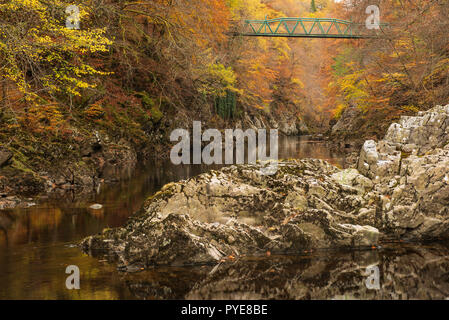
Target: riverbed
x: 38, y: 243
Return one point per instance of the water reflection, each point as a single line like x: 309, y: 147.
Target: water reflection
x: 305, y: 147
x: 406, y: 272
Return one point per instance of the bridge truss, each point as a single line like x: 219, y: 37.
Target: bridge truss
x: 307, y: 28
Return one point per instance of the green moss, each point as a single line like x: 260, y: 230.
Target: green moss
x: 18, y: 165
x: 166, y: 192
x: 156, y: 115
x: 405, y: 155
x: 147, y: 101
x: 410, y: 108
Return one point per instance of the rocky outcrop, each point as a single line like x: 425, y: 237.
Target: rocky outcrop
x: 348, y: 121
x: 411, y: 170
x: 238, y: 210
x: 419, y: 203
x: 307, y: 204
x: 289, y: 126
x: 417, y: 136
x: 96, y: 160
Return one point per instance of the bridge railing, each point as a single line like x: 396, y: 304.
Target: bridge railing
x: 307, y: 28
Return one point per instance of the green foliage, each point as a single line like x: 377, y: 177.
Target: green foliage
x: 313, y: 6
x: 348, y: 83
x: 147, y: 101
x: 340, y: 66
x: 225, y: 106
x: 156, y: 115
x: 411, y: 108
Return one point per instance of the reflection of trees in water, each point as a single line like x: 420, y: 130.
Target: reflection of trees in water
x: 66, y: 216
x: 6, y: 221
x: 405, y: 273
x: 303, y: 147
x: 28, y: 225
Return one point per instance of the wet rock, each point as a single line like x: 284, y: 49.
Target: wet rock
x: 11, y: 202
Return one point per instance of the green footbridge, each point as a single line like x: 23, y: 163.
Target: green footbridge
x: 307, y: 28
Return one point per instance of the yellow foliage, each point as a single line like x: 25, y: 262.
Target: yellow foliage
x: 33, y: 39
x: 220, y: 79
x: 338, y: 111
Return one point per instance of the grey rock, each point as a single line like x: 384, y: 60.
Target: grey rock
x: 238, y: 211
x: 347, y: 122
x: 5, y: 156
x: 410, y: 169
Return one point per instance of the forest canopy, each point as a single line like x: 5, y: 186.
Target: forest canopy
x: 182, y: 54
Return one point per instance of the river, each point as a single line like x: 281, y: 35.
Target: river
x: 38, y: 243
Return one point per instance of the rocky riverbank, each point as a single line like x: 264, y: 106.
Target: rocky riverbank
x: 93, y: 162
x: 91, y: 157
x: 307, y: 204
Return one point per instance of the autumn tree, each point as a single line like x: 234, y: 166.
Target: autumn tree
x: 41, y: 55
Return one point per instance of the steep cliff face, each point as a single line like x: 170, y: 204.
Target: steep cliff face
x: 355, y: 125
x: 288, y: 124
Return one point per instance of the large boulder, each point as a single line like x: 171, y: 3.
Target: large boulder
x: 412, y: 135
x: 379, y: 161
x: 410, y: 168
x: 422, y: 133
x: 238, y: 210
x: 419, y: 205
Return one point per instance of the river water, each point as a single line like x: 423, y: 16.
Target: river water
x: 38, y: 243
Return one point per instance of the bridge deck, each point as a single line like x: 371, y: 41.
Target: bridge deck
x: 307, y: 28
